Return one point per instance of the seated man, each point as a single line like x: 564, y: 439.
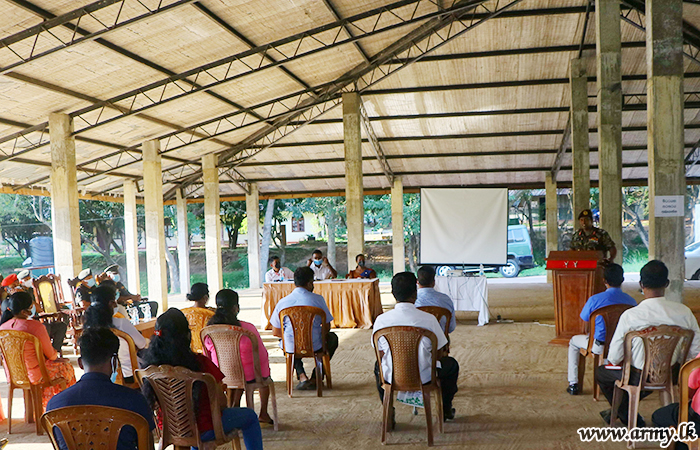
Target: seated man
x: 277, y: 272
x: 361, y: 271
x: 112, y: 272
x: 84, y: 283
x: 405, y: 313
x: 653, y: 310
x: 98, y: 358
x: 428, y: 296
x: 25, y: 280
x: 320, y: 266
x: 11, y: 284
x: 613, y: 295
x: 303, y: 295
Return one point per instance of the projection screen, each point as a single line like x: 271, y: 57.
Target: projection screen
x: 463, y: 226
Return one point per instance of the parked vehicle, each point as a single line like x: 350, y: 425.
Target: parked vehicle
x: 692, y: 261
x: 519, y: 255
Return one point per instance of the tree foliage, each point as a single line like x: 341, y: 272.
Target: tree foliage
x: 23, y: 217
x: 101, y: 224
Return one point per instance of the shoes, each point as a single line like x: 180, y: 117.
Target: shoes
x: 302, y: 385
x: 308, y: 385
x: 605, y: 415
x: 449, y: 415
x: 573, y: 389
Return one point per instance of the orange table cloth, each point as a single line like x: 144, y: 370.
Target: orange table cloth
x: 353, y: 303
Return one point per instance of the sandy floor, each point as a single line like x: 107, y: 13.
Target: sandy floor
x: 512, y: 390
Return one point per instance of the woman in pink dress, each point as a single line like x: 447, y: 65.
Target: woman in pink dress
x: 16, y: 317
x: 227, y: 314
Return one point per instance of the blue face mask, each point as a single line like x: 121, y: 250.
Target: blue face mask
x: 116, y: 277
x: 317, y: 262
x: 90, y: 282
x: 115, y: 366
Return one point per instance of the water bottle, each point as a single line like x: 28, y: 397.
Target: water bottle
x: 481, y: 270
x: 146, y: 310
x: 133, y: 315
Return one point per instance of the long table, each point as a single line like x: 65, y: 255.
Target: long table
x: 353, y: 303
x: 146, y: 328
x: 467, y: 294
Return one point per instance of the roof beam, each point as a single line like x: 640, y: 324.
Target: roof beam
x: 108, y: 22
x: 348, y: 30
x: 376, y: 146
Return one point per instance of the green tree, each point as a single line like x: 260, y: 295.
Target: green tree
x: 333, y: 211
x: 101, y: 223
x: 23, y: 217
x: 232, y: 215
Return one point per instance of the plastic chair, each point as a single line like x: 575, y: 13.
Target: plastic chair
x: 94, y: 427
x: 173, y: 388
x: 132, y: 358
x: 301, y: 319
x: 683, y: 407
x: 404, y: 345
x: 12, y: 346
x: 227, y: 343
x: 197, y: 318
x: 611, y: 316
x: 660, y: 344
x: 439, y: 313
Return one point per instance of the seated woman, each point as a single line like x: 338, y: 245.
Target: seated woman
x: 199, y: 294
x: 171, y: 345
x: 103, y: 313
x: 16, y: 317
x: 198, y: 315
x: 227, y: 309
x: 361, y: 271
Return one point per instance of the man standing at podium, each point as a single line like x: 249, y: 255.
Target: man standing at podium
x: 589, y: 237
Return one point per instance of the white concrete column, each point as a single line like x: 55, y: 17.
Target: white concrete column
x: 581, y: 176
x: 397, y: 243
x: 183, y: 242
x: 131, y: 237
x: 253, y: 218
x: 155, y: 224
x: 609, y: 119
x: 552, y: 210
x: 665, y: 146
x: 212, y: 223
x: 65, y: 212
x: 352, y: 137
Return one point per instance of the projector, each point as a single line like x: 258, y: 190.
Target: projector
x: 454, y: 273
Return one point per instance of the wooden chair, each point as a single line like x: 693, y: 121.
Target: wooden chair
x: 132, y: 358
x: 611, y: 316
x: 173, y: 388
x: 439, y: 313
x: 227, y: 343
x: 12, y: 346
x: 50, y: 306
x: 660, y: 344
x: 404, y: 345
x: 197, y: 318
x: 94, y: 427
x: 683, y: 407
x: 301, y: 319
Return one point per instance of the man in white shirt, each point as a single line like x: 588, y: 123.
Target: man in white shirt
x: 405, y: 313
x: 303, y: 295
x: 428, y: 296
x: 654, y: 310
x: 320, y: 266
x: 277, y: 272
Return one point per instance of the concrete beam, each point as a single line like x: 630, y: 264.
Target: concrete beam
x: 352, y: 139
x: 397, y: 243
x: 551, y: 217
x: 212, y: 222
x: 155, y: 224
x: 581, y: 176
x: 183, y: 242
x: 252, y: 205
x: 131, y: 237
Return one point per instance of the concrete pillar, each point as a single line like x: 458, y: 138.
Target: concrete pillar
x: 65, y: 212
x: 608, y: 59
x: 155, y: 224
x: 352, y: 138
x: 131, y: 237
x: 552, y: 209
x: 252, y: 208
x: 212, y: 222
x: 665, y: 138
x: 579, y: 137
x: 397, y: 244
x: 183, y: 243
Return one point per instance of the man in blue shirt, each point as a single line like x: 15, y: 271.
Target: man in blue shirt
x: 303, y: 295
x: 613, y: 295
x: 99, y: 348
x: 428, y: 296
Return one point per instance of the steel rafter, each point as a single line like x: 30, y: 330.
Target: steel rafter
x: 204, y: 78
x: 376, y: 146
x: 448, y: 24
x: 45, y: 38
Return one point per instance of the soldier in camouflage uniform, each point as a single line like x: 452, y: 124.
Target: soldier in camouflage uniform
x: 589, y: 237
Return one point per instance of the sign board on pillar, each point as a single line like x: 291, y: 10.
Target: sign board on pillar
x: 669, y: 206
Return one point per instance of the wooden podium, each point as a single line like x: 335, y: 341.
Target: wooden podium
x: 576, y: 276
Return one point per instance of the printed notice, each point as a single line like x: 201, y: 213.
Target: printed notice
x: 669, y: 206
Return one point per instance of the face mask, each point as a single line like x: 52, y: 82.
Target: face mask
x: 115, y: 277
x: 27, y: 283
x: 116, y: 296
x: 276, y: 266
x: 361, y: 263
x: 90, y: 282
x: 317, y: 262
x: 113, y: 377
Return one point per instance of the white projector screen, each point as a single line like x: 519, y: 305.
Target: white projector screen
x: 463, y: 226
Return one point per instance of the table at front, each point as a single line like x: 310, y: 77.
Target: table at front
x: 353, y: 303
x: 146, y: 328
x: 467, y: 294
